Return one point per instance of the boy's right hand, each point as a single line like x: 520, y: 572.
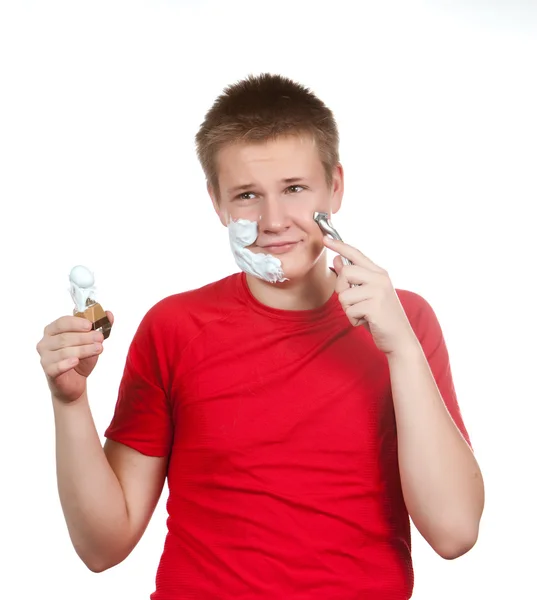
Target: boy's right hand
x: 69, y: 351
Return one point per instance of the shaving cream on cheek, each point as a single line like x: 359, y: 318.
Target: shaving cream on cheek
x: 243, y: 233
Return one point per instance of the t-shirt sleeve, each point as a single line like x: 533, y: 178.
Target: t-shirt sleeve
x: 143, y: 417
x: 429, y: 332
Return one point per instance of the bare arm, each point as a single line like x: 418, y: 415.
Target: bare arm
x: 441, y: 480
x: 107, y: 495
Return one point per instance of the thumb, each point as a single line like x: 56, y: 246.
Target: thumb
x: 338, y: 264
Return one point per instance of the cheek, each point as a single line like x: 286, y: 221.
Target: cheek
x: 234, y: 212
x: 316, y: 246
x: 307, y: 224
x: 309, y: 203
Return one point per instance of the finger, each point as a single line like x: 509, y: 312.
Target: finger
x: 357, y: 313
x: 79, y: 352
x: 54, y: 370
x: 65, y: 356
x: 338, y: 264
x: 354, y: 296
x: 353, y: 254
x: 67, y: 323
x: 353, y: 275
x: 70, y: 339
x: 110, y: 316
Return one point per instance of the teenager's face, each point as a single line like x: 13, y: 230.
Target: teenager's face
x: 278, y: 184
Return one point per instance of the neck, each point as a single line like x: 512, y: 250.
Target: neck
x: 310, y: 291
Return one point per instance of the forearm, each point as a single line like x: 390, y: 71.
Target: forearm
x: 440, y: 477
x: 90, y: 494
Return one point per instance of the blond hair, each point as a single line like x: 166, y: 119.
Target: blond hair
x: 262, y: 108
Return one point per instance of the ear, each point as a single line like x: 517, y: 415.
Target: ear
x: 338, y: 186
x: 222, y: 215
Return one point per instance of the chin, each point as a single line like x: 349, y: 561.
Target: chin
x: 295, y: 272
x: 299, y: 264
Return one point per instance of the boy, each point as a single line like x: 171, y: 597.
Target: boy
x: 300, y: 413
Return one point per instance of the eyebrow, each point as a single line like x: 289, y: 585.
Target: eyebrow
x: 249, y: 186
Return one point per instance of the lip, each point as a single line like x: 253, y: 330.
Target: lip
x: 279, y: 247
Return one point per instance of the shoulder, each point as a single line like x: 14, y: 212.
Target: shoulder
x: 419, y: 312
x: 188, y: 312
x: 412, y: 302
x: 425, y: 324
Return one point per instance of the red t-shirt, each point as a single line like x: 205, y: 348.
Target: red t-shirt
x: 283, y: 475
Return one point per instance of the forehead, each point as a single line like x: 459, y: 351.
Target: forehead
x: 292, y: 156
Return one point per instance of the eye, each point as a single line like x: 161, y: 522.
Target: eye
x: 246, y: 196
x: 295, y: 189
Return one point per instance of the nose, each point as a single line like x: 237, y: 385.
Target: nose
x: 273, y: 217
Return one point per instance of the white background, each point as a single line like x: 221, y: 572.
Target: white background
x: 99, y: 105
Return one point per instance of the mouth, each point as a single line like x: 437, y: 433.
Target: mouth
x: 279, y: 247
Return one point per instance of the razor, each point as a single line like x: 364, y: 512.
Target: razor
x: 323, y: 220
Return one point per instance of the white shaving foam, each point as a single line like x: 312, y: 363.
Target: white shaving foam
x: 82, y: 286
x: 243, y: 233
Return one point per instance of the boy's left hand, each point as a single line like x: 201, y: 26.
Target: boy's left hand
x: 373, y: 302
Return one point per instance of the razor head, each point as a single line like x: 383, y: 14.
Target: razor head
x: 318, y: 216
x: 323, y: 220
